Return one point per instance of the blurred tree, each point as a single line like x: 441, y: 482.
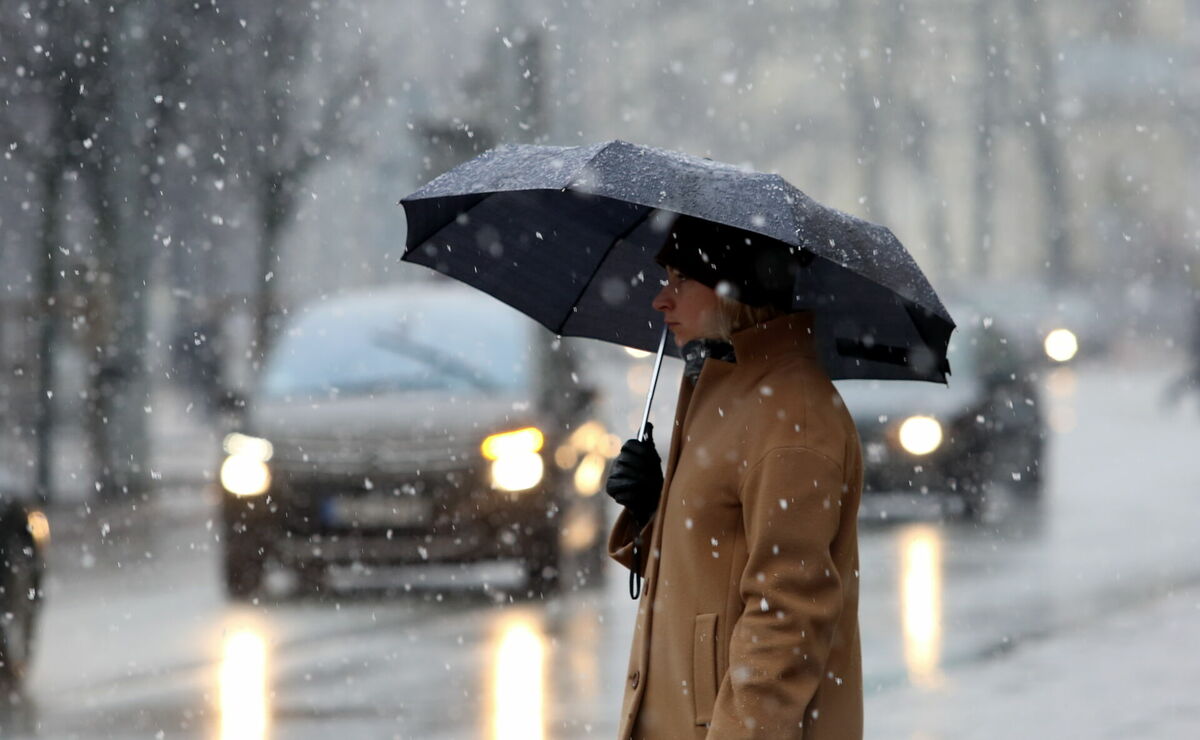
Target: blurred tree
x: 100, y: 104
x: 918, y: 132
x: 920, y: 150
x: 989, y: 60
x: 283, y: 93
x: 64, y: 114
x: 893, y: 121
x: 869, y: 83
x: 1049, y: 159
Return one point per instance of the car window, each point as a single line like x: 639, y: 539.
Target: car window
x: 428, y: 344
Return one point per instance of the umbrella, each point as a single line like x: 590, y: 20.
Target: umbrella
x: 567, y: 235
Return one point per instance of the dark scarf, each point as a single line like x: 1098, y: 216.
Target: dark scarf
x: 695, y: 352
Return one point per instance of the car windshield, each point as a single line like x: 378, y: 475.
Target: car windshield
x: 365, y: 346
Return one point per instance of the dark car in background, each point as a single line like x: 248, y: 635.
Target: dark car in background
x: 985, y: 429
x: 426, y: 424
x: 24, y: 535
x: 1048, y: 325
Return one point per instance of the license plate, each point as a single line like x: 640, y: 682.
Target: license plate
x: 376, y: 511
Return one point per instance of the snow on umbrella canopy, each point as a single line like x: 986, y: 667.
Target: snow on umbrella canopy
x: 568, y: 236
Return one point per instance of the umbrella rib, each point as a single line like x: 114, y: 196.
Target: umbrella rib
x: 588, y: 283
x: 464, y: 212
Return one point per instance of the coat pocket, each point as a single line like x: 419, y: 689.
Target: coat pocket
x: 704, y: 667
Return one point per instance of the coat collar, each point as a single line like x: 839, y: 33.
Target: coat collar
x: 764, y: 346
x: 776, y: 340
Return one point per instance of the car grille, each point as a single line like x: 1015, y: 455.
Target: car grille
x: 345, y: 458
x: 428, y: 484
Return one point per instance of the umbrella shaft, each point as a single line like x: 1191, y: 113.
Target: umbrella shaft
x: 662, y: 344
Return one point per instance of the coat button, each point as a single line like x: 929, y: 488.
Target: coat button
x: 634, y: 678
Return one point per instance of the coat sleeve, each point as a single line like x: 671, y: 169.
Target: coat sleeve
x: 791, y: 594
x: 620, y: 541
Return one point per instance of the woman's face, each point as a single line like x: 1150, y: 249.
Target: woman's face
x: 689, y: 308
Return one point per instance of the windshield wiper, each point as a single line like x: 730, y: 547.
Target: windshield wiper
x: 435, y: 358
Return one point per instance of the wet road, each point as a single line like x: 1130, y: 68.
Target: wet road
x: 137, y: 639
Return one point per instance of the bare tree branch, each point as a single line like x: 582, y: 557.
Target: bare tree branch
x: 330, y: 133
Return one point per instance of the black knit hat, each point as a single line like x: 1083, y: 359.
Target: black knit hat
x: 757, y: 269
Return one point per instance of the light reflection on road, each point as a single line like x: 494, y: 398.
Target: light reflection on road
x: 518, y: 690
x: 582, y: 641
x: 1061, y: 383
x: 242, y: 685
x: 921, y: 603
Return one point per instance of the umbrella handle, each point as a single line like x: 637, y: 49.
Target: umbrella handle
x: 662, y: 344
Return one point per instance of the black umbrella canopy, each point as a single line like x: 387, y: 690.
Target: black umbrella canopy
x: 567, y: 235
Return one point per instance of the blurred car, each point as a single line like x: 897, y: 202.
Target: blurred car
x: 985, y: 429
x: 24, y: 535
x: 414, y: 425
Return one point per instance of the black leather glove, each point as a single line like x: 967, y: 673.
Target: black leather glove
x: 636, y: 478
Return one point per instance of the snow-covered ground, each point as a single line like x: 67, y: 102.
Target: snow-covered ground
x: 1131, y: 673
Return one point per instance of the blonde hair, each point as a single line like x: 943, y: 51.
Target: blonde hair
x: 733, y: 316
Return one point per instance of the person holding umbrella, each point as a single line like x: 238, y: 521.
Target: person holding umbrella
x: 748, y: 625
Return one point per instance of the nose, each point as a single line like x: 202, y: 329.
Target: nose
x: 665, y: 300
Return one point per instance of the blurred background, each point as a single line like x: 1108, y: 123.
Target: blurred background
x: 180, y: 179
x: 183, y: 181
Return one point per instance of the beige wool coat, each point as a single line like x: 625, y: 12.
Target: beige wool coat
x: 748, y: 623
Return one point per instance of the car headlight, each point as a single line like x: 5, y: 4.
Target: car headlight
x: 1061, y: 345
x: 920, y: 435
x: 39, y: 527
x: 516, y: 464
x: 245, y: 471
x: 589, y: 476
